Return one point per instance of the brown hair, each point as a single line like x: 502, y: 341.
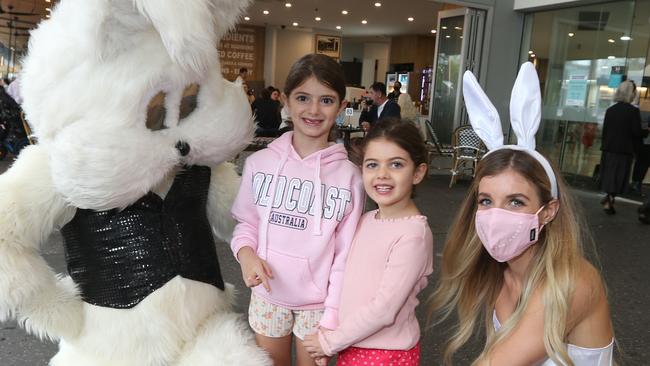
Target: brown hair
x: 402, y: 133
x: 323, y: 68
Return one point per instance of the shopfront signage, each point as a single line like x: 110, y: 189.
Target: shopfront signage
x: 616, y: 76
x: 243, y: 47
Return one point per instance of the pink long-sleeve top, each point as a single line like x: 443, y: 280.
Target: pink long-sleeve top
x: 387, y: 267
x: 300, y: 215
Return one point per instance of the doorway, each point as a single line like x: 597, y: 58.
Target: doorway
x: 459, y: 47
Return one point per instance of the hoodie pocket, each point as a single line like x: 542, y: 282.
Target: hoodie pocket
x: 293, y: 282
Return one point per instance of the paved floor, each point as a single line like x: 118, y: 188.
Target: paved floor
x: 622, y: 244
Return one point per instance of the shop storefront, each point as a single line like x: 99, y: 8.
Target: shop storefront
x: 582, y: 53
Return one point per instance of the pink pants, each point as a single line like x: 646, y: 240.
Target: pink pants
x: 354, y: 356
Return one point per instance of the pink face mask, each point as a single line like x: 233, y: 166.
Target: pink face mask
x: 506, y: 234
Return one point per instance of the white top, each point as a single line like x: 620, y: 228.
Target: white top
x: 381, y: 108
x: 579, y: 355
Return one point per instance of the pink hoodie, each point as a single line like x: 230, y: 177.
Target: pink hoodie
x: 306, y: 232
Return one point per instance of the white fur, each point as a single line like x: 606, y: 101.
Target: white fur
x: 88, y: 77
x: 30, y: 209
x: 167, y: 326
x: 223, y: 189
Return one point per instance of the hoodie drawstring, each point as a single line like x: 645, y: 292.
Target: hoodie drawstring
x: 267, y: 214
x: 318, y: 199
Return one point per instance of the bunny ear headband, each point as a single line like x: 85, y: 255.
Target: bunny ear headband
x: 525, y: 115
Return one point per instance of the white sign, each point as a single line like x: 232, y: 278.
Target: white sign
x: 576, y: 91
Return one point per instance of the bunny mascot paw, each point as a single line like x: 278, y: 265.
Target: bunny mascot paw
x: 134, y: 123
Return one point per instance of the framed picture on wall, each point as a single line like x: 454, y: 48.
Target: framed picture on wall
x: 328, y: 45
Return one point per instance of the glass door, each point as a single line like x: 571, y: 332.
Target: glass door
x: 581, y: 55
x: 459, y: 47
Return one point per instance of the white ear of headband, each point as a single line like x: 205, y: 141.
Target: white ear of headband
x: 526, y: 106
x: 525, y: 114
x: 482, y: 114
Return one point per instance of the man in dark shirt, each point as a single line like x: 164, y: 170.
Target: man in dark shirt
x: 381, y: 107
x: 397, y: 90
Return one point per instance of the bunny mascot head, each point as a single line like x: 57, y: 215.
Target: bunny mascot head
x: 134, y: 121
x: 525, y: 115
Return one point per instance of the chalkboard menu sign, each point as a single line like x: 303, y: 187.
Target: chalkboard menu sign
x: 243, y: 47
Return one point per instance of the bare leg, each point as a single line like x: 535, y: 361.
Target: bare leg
x: 302, y: 356
x: 278, y: 348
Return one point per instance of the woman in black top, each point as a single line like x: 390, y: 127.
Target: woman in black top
x: 267, y: 114
x: 622, y: 134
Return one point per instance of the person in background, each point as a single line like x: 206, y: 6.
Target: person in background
x: 642, y: 153
x: 249, y: 93
x: 243, y: 75
x: 14, y: 90
x: 407, y: 109
x: 622, y: 136
x: 397, y: 91
x: 379, y: 106
x: 267, y: 114
x: 642, y: 161
x: 275, y: 94
x: 297, y: 209
x: 390, y: 258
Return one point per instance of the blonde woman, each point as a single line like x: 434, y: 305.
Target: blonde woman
x: 407, y: 109
x: 547, y: 301
x: 513, y: 260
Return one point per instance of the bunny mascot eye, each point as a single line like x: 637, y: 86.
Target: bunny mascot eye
x: 134, y: 123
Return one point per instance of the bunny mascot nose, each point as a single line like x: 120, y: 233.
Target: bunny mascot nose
x: 183, y: 148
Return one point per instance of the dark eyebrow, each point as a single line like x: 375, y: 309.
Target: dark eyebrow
x: 320, y: 96
x: 515, y: 195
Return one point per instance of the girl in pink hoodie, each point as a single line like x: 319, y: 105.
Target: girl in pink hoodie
x: 390, y: 258
x: 298, y: 208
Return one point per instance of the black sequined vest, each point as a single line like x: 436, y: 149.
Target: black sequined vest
x: 117, y: 258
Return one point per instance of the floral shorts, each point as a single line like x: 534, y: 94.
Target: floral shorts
x: 275, y: 321
x: 354, y: 356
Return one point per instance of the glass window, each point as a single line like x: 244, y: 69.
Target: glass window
x: 581, y: 55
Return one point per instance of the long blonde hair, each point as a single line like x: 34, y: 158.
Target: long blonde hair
x: 470, y: 279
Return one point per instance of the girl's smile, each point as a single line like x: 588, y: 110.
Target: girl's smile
x: 389, y: 174
x: 313, y: 107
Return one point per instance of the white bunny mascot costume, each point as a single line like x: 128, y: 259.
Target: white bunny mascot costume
x: 525, y: 115
x: 133, y: 120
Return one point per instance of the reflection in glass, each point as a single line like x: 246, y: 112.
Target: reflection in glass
x: 447, y: 76
x: 581, y: 59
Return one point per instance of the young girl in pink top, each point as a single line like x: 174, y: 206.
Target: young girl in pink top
x: 298, y: 207
x: 389, y: 261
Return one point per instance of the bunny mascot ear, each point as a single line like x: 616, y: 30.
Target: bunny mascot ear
x: 482, y: 114
x: 526, y: 106
x: 190, y: 30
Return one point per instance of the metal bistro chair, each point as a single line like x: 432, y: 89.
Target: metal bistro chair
x: 433, y: 143
x: 467, y: 151
x: 434, y: 147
